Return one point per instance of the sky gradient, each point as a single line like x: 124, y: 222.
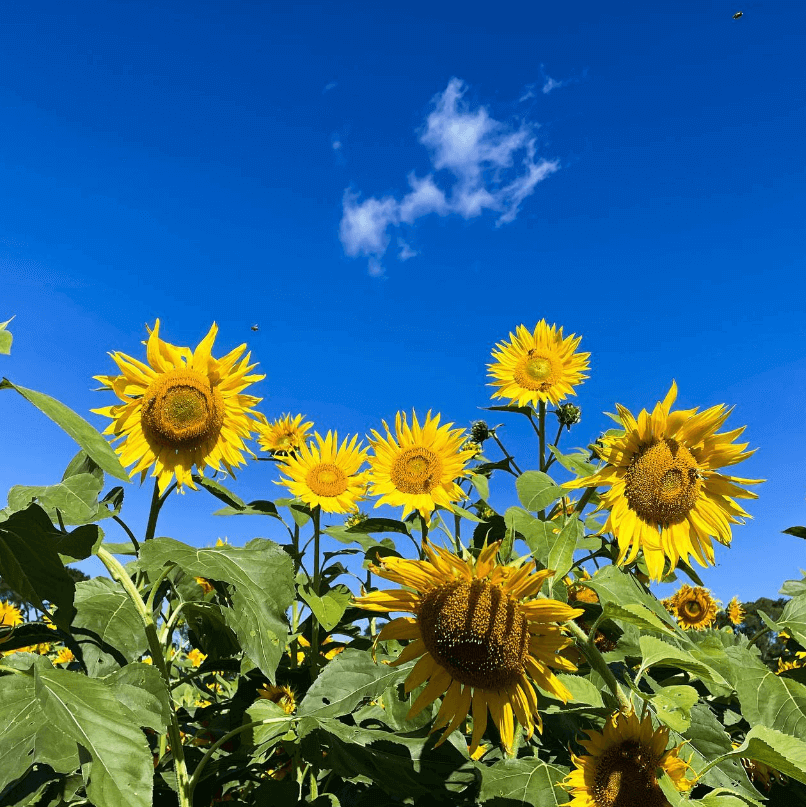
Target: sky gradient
x: 387, y: 193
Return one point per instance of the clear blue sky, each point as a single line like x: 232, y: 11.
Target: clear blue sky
x: 388, y: 193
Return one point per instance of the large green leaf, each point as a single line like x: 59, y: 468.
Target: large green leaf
x: 330, y: 607
x: 346, y: 681
x: 525, y: 781
x: 793, y: 619
x: 219, y: 491
x: 636, y: 613
x: 82, y: 432
x: 266, y: 736
x: 658, y: 652
x: 140, y: 689
x: 782, y: 752
x: 766, y: 698
x: 576, y: 463
x: 107, y: 626
x: 76, y: 498
x: 673, y: 706
x: 539, y: 535
x: 30, y: 562
x: 261, y: 575
x: 537, y: 490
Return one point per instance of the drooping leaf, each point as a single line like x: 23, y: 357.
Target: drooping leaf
x: 673, y: 706
x: 523, y: 781
x: 798, y: 532
x: 261, y: 576
x: 141, y: 690
x: 576, y: 463
x: 219, y: 491
x: 537, y: 490
x: 781, y: 752
x: 259, y: 507
x: 330, y: 607
x: 538, y: 535
x: 82, y: 432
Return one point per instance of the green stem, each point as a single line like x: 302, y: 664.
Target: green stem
x: 197, y: 774
x: 598, y: 663
x: 154, y: 512
x: 758, y: 635
x: 317, y: 513
x: 119, y: 574
x: 506, y: 453
x: 128, y: 532
x: 541, y: 418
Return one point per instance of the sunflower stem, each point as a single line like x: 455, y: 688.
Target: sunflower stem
x: 596, y: 660
x: 541, y: 419
x: 757, y: 635
x: 506, y: 453
x: 119, y: 574
x: 317, y: 512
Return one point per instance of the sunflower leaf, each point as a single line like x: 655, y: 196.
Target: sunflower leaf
x: 268, y: 734
x: 259, y: 507
x: 82, y: 432
x: 576, y: 463
x: 330, y: 606
x: 782, y: 752
x: 792, y: 620
x: 76, y: 498
x: 636, y: 613
x: 523, y: 781
x: 798, y: 532
x: 657, y: 652
x: 537, y: 490
x: 561, y: 554
x: 5, y: 338
x: 673, y: 706
x: 482, y: 485
x: 219, y: 491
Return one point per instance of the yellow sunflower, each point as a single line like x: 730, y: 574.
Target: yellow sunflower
x: 196, y: 657
x: 10, y: 615
x: 759, y: 772
x: 694, y: 608
x: 323, y: 649
x: 666, y: 496
x: 537, y: 366
x: 284, y: 435
x: 735, y: 612
x: 206, y: 586
x: 579, y: 593
x: 327, y: 475
x: 795, y: 663
x: 64, y: 656
x: 281, y: 694
x: 417, y: 466
x: 478, y: 638
x: 181, y: 409
x: 620, y: 769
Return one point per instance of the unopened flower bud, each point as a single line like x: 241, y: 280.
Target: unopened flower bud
x: 356, y: 518
x: 568, y: 415
x: 479, y: 431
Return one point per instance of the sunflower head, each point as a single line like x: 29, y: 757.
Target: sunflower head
x: 537, y: 365
x: 694, y: 607
x: 181, y: 409
x: 578, y: 592
x: 64, y: 656
x: 327, y: 474
x: 196, y: 657
x: 622, y: 764
x: 418, y: 465
x: 735, y: 612
x: 10, y: 615
x: 281, y: 694
x: 283, y: 436
x: 480, y: 637
x: 666, y: 494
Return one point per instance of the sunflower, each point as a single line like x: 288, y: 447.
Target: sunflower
x: 327, y: 653
x: 327, y: 476
x: 621, y: 768
x: 10, y: 615
x: 281, y: 694
x: 283, y: 436
x: 206, y: 586
x: 64, y: 656
x: 181, y: 409
x: 579, y: 593
x: 196, y: 657
x: 759, y: 772
x: 666, y: 496
x: 417, y: 466
x: 477, y: 638
x: 694, y: 608
x: 795, y: 663
x: 735, y: 612
x: 537, y: 366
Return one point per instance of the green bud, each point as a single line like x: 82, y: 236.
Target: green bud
x: 568, y: 415
x: 479, y: 431
x: 356, y: 518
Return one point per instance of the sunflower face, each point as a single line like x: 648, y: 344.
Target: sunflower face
x: 666, y: 495
x: 181, y: 409
x: 417, y: 466
x: 735, y: 612
x: 327, y: 475
x: 621, y: 767
x: 694, y: 608
x: 9, y: 615
x: 479, y: 638
x: 537, y: 366
x: 284, y: 436
x: 281, y: 694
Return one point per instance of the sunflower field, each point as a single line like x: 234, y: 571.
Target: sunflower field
x: 466, y: 657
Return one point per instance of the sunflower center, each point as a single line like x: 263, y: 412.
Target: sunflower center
x: 327, y: 479
x: 476, y: 632
x: 416, y: 470
x: 181, y: 410
x: 662, y: 483
x: 692, y: 609
x: 536, y: 371
x: 625, y: 777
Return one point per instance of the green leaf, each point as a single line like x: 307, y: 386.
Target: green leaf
x: 30, y: 563
x: 525, y: 781
x: 780, y: 751
x: 219, y: 491
x: 330, y: 607
x: 76, y: 498
x: 561, y: 554
x: 5, y: 338
x: 655, y: 651
x: 259, y: 507
x: 582, y: 689
x: 798, y: 532
x: 346, y: 681
x: 107, y: 626
x: 266, y: 736
x: 636, y: 613
x: 141, y: 690
x: 539, y: 535
x: 793, y: 619
x: 792, y: 588
x: 82, y: 432
x: 82, y: 463
x: 460, y: 511
x: 576, y: 463
x: 537, y: 490
x: 673, y: 706
x: 262, y: 578
x: 482, y: 485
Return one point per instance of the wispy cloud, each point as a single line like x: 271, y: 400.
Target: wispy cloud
x: 487, y: 165
x: 550, y: 83
x: 406, y: 251
x: 331, y: 85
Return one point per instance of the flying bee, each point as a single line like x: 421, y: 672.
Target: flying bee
x: 255, y: 328
x: 738, y: 15
x: 696, y: 474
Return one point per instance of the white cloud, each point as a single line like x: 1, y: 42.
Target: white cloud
x: 406, y: 251
x: 550, y: 83
x: 330, y: 86
x: 375, y: 269
x: 487, y: 165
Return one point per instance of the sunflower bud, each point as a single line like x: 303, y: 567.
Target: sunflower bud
x: 479, y: 431
x: 568, y: 415
x: 355, y: 518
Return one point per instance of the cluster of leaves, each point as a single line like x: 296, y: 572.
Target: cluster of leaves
x: 222, y: 625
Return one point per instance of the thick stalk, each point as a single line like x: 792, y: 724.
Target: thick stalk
x: 541, y: 419
x: 153, y: 513
x: 317, y: 513
x: 119, y: 574
x: 598, y: 663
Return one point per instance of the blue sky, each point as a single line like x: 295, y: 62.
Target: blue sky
x: 387, y: 193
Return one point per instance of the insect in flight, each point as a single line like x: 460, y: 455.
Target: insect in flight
x: 738, y: 15
x: 255, y: 328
